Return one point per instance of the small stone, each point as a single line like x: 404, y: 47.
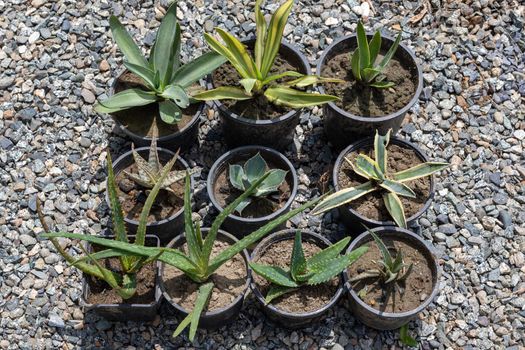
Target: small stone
x: 88, y: 96
x: 6, y: 82
x: 85, y: 142
x: 448, y: 229
x: 104, y: 66
x: 330, y: 21
x: 56, y: 321
x: 27, y: 240
x: 103, y: 325
x: 33, y: 37
x: 505, y: 218
x: 519, y: 134
x: 499, y: 117
x: 457, y: 298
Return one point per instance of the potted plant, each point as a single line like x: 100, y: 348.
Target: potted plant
x: 235, y: 171
x: 118, y: 286
x: 298, y: 275
x: 210, y: 263
x: 136, y: 173
x: 397, y: 278
x: 158, y: 87
x: 394, y: 185
x: 263, y: 86
x: 382, y: 81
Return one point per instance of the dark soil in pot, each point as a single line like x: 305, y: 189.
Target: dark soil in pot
x: 138, y: 120
x: 417, y: 287
x: 225, y: 194
x: 372, y: 205
x: 258, y: 107
x: 133, y: 196
x: 229, y: 282
x: 362, y: 100
x: 304, y: 299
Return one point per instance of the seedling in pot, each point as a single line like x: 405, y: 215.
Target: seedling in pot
x: 380, y: 179
x: 124, y: 282
x: 255, y: 72
x: 242, y: 177
x: 150, y: 172
x: 363, y: 60
x: 197, y: 264
x: 166, y: 81
x: 320, y: 268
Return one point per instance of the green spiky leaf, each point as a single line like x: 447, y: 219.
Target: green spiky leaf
x: 274, y: 274
x: 298, y: 264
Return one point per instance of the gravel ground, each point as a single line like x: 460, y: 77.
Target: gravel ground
x: 57, y: 58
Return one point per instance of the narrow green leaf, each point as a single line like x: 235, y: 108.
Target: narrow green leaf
x: 369, y: 74
x: 375, y: 47
x: 164, y: 45
x: 189, y: 227
x: 382, y: 84
x: 385, y: 253
x: 367, y: 167
x: 307, y: 80
x: 405, y: 338
x: 240, y: 53
x: 329, y: 269
x: 343, y: 196
x: 380, y: 151
x: 125, y: 99
x: 202, y: 300
x: 275, y: 292
x: 222, y: 93
x: 183, y: 324
x: 225, y: 51
x: 197, y: 69
x: 177, y: 94
x: 362, y: 44
x: 390, y: 53
x: 328, y: 253
x: 289, y: 73
x: 274, y: 36
x: 274, y: 274
x: 242, y: 205
x: 175, y: 53
x: 126, y: 44
x: 144, y: 73
x: 418, y: 171
x: 260, y: 40
x: 355, y: 65
x: 248, y: 84
x: 398, y: 188
x: 286, y: 96
x: 169, y: 112
x: 395, y: 208
x: 298, y: 264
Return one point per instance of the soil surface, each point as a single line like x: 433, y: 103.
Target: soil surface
x: 362, y: 100
x: 258, y: 107
x: 102, y: 293
x: 417, y: 286
x: 225, y: 194
x: 139, y: 119
x: 304, y: 299
x: 372, y: 205
x: 132, y: 197
x: 229, y: 282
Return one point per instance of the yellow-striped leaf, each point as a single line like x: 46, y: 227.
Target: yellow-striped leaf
x: 289, y: 97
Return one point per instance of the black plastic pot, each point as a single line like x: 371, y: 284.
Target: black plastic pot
x: 284, y: 318
x: 388, y: 320
x: 219, y: 317
x: 238, y: 225
x: 354, y: 220
x: 183, y: 139
x: 277, y: 132
x: 341, y: 127
x: 124, y: 312
x: 165, y: 229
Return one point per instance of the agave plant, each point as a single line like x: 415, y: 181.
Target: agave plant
x: 363, y: 60
x: 320, y: 268
x: 124, y: 282
x: 379, y: 178
x: 197, y: 264
x: 149, y: 172
x: 242, y: 177
x: 166, y: 80
x: 255, y: 72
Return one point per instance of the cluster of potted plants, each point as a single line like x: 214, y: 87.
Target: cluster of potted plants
x: 382, y: 182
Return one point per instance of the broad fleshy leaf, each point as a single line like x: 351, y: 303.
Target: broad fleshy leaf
x: 162, y: 52
x: 328, y: 253
x: 272, y: 182
x: 398, y: 188
x: 242, y: 205
x: 248, y: 84
x: 405, y: 338
x: 194, y: 316
x: 342, y: 197
x: 274, y: 274
x: 385, y: 253
x: 307, y: 80
x: 275, y: 292
x: 298, y: 263
x: 362, y: 44
x: 289, y: 73
x: 255, y: 167
x: 355, y: 65
x: 286, y: 96
x: 380, y: 152
x: 144, y: 73
x: 225, y: 51
x: 221, y: 93
x: 197, y: 69
x: 177, y: 94
x: 240, y: 53
x: 418, y: 171
x: 329, y: 269
x: 395, y: 208
x: 125, y: 99
x: 260, y: 40
x: 369, y: 74
x: 126, y: 44
x: 367, y: 167
x: 194, y: 248
x: 390, y: 53
x: 375, y: 47
x: 169, y: 112
x: 236, y: 174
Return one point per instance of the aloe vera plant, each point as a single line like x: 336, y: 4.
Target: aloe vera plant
x: 320, y: 268
x: 242, y: 177
x: 255, y: 72
x: 149, y: 172
x: 363, y: 60
x: 166, y: 80
x: 380, y: 179
x: 125, y: 281
x: 197, y: 264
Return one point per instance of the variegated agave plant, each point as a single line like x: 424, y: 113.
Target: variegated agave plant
x: 255, y: 72
x: 379, y: 178
x: 319, y: 268
x: 149, y: 172
x: 242, y: 177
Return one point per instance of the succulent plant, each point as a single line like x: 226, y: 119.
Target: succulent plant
x: 379, y: 178
x: 150, y: 172
x: 124, y: 282
x: 256, y: 79
x: 242, y: 177
x: 320, y: 268
x: 363, y: 60
x: 166, y: 80
x: 198, y: 264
